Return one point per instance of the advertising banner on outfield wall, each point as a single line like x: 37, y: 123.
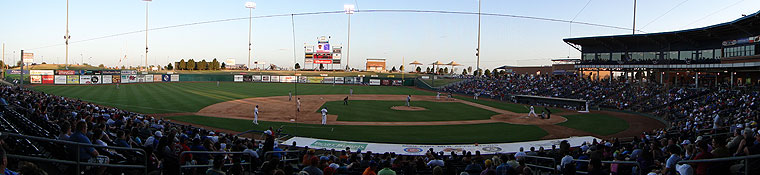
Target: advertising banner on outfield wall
x: 414, y: 149
x: 72, y: 79
x: 166, y: 78
x: 116, y: 79
x: 107, y: 79
x: 247, y: 78
x: 35, y: 79
x: 302, y: 79
x: 60, y: 79
x: 41, y: 72
x: 374, y: 82
x: 265, y: 78
x: 110, y: 72
x: 274, y: 78
x: 288, y: 79
x: 140, y: 78
x: 65, y: 72
x: 149, y: 78
x: 329, y: 80
x: 316, y: 79
x: 175, y: 78
x: 15, y: 72
x: 237, y: 78
x: 128, y: 72
x: 397, y: 82
x: 96, y: 79
x: 339, y: 80
x: 157, y: 78
x: 385, y: 82
x: 84, y: 79
x: 48, y: 79
x: 256, y: 78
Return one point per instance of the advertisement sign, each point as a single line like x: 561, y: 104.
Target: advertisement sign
x: 149, y: 78
x: 397, y: 83
x: 323, y: 47
x: 752, y: 39
x: 110, y: 72
x: 72, y: 79
x: 175, y: 78
x: 15, y: 72
x: 140, y: 78
x: 85, y: 79
x: 28, y: 58
x: 265, y: 78
x: 166, y: 77
x: 48, y: 79
x: 328, y: 80
x: 116, y: 78
x: 385, y: 82
x: 41, y: 72
x: 315, y: 79
x: 247, y: 78
x: 374, y: 82
x: 95, y: 79
x: 157, y: 78
x: 60, y: 79
x: 274, y: 78
x: 302, y: 79
x: 128, y: 72
x: 65, y: 72
x: 288, y: 79
x: 336, y: 56
x: 323, y: 61
x: 339, y: 80
x: 107, y: 79
x: 257, y: 78
x: 237, y: 78
x: 35, y: 79
x: 308, y: 49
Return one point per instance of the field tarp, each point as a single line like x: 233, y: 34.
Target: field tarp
x: 420, y: 149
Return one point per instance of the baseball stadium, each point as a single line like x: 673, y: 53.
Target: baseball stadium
x: 622, y: 101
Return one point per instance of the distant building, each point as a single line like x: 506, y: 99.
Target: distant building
x: 234, y: 66
x: 375, y: 64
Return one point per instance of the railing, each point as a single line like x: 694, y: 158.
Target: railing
x: 610, y: 162
x: 537, y: 165
x: 284, y: 155
x: 250, y: 163
x: 745, y: 158
x: 77, y: 161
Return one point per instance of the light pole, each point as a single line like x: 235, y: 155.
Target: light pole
x: 477, y: 51
x: 146, y: 33
x: 250, y: 6
x: 349, y: 8
x: 67, y: 36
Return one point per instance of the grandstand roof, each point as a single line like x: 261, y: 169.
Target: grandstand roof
x: 697, y: 38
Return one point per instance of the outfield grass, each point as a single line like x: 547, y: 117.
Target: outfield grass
x: 444, y: 134
x: 517, y: 108
x: 595, y: 123
x: 191, y: 97
x: 380, y: 111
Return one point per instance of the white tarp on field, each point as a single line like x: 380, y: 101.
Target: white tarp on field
x: 415, y: 149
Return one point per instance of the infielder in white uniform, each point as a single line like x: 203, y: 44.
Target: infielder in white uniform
x: 532, y: 111
x: 324, y: 116
x: 298, y: 104
x: 476, y: 95
x: 256, y: 115
x: 408, y: 99
x: 290, y: 96
x: 351, y: 91
x: 438, y: 96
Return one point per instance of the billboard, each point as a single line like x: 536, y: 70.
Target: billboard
x: 110, y: 72
x: 323, y: 61
x: 28, y: 57
x: 149, y: 78
x: 247, y: 78
x: 237, y: 78
x: 140, y: 78
x: 308, y: 49
x: 385, y: 82
x: 315, y: 79
x: 128, y: 72
x: 107, y: 79
x: 41, y: 72
x: 257, y: 78
x: 95, y: 79
x: 60, y: 79
x: 288, y: 79
x: 274, y: 78
x: 166, y: 78
x: 374, y: 82
x: 85, y: 79
x: 265, y: 78
x: 65, y: 72
x: 35, y: 79
x: 302, y: 79
x: 72, y: 79
x: 116, y: 79
x: 48, y: 79
x: 339, y: 80
x: 157, y: 77
x: 328, y: 80
x: 323, y: 47
x: 175, y: 77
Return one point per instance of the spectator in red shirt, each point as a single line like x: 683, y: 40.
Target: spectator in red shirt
x: 702, y: 168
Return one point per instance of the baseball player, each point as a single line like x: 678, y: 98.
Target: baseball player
x: 217, y: 83
x: 408, y: 99
x: 290, y: 96
x: 476, y: 95
x: 438, y: 96
x: 345, y: 101
x: 298, y: 104
x: 256, y: 115
x: 532, y: 111
x: 324, y: 116
x: 351, y: 91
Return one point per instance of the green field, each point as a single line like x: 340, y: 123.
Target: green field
x: 380, y: 111
x: 190, y: 97
x: 517, y: 108
x: 450, y: 134
x: 595, y: 123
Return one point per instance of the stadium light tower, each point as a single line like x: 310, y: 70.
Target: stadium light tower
x: 349, y: 8
x: 146, y: 33
x: 67, y: 37
x: 250, y: 6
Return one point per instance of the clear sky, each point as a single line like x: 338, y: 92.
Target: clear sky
x: 423, y: 37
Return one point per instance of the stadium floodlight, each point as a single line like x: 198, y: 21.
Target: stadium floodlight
x: 349, y: 8
x: 146, y: 33
x: 250, y: 6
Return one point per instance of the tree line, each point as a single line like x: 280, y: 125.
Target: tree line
x: 196, y: 65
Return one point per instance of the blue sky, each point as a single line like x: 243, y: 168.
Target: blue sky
x: 414, y: 36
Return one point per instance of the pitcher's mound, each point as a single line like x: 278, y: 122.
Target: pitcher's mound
x: 408, y: 108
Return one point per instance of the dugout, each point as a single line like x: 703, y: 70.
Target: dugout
x: 568, y: 103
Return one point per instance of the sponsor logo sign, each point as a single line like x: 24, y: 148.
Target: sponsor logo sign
x: 338, y: 145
